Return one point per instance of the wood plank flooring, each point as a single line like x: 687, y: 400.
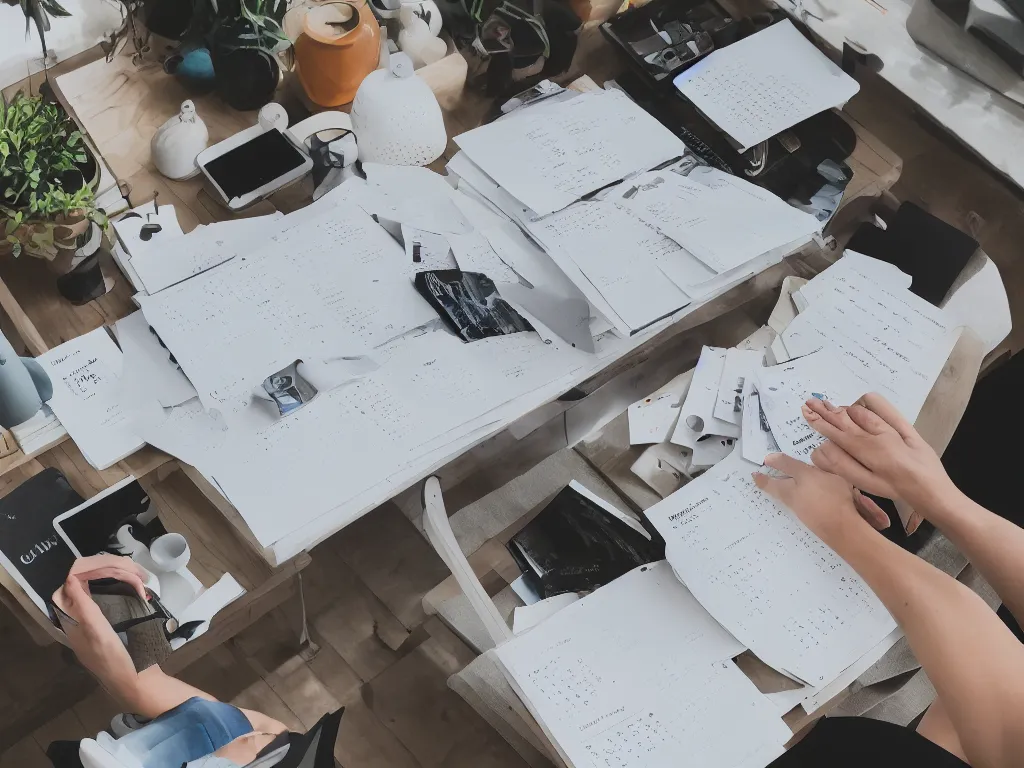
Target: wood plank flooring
x: 380, y: 657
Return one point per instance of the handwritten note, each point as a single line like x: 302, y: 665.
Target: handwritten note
x: 765, y: 83
x: 638, y: 674
x: 85, y: 373
x: 722, y: 220
x: 770, y: 581
x: 881, y: 331
x: 551, y: 155
x: 617, y: 254
x: 354, y: 437
x: 335, y: 286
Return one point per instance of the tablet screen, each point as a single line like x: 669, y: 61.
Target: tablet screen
x: 259, y: 161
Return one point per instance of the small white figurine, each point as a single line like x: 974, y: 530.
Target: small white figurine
x: 177, y: 142
x: 418, y: 36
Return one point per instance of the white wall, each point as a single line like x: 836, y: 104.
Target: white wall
x: 20, y: 56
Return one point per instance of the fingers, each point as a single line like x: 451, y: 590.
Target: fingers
x: 885, y: 410
x: 778, y: 488
x: 87, y: 564
x: 786, y: 464
x: 870, y: 511
x: 837, y: 417
x: 832, y: 458
x: 818, y: 423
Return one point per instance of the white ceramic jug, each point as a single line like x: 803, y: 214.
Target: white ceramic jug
x: 177, y: 142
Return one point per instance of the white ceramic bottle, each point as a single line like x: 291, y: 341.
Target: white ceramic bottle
x: 177, y: 142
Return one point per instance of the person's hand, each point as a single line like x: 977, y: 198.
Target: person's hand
x: 873, y: 447
x: 827, y: 504
x: 88, y: 632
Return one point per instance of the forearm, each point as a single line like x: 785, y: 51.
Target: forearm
x: 993, y: 545
x: 976, y: 665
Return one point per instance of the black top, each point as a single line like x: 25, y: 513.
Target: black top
x: 859, y: 742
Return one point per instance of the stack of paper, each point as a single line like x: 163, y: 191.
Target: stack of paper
x: 86, y: 377
x: 636, y: 675
x: 767, y: 579
x: 640, y: 246
x: 862, y: 310
x: 762, y: 85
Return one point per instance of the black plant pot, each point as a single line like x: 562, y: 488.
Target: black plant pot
x: 247, y: 77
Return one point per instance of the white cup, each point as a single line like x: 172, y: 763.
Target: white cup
x: 170, y: 552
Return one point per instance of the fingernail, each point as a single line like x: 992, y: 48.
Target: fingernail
x: 809, y: 414
x: 831, y: 407
x: 812, y: 400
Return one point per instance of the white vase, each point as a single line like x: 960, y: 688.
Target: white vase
x: 177, y: 142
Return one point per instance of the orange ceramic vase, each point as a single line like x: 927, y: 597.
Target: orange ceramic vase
x: 338, y: 47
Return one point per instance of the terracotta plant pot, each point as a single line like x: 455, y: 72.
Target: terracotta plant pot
x: 48, y: 238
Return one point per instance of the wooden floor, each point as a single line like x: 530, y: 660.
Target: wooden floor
x: 380, y: 656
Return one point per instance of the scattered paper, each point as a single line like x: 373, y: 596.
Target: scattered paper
x: 784, y: 389
x: 740, y: 367
x: 722, y: 220
x: 528, y: 616
x: 551, y: 155
x: 758, y: 440
x: 652, y: 419
x: 696, y: 417
x: 147, y: 370
x: 770, y: 581
x: 207, y: 605
x: 885, y: 335
x: 238, y: 323
x: 86, y: 377
x: 169, y: 261
x: 474, y: 253
x: 425, y: 251
x: 614, y: 252
x: 638, y: 674
x: 710, y: 450
x: 763, y: 84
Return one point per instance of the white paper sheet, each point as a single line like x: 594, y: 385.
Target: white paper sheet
x: 887, y: 336
x: 784, y: 388
x: 354, y: 437
x: 740, y: 367
x: 86, y: 377
x: 768, y: 82
x: 335, y: 286
x: 710, y: 450
x: 207, y: 605
x: 551, y: 155
x: 652, y: 419
x: 769, y: 580
x: 527, y: 617
x: 758, y: 440
x: 722, y: 220
x: 638, y: 674
x: 696, y: 417
x: 147, y: 370
x: 614, y: 251
x: 426, y: 251
x: 414, y: 196
x: 169, y: 261
x: 474, y: 253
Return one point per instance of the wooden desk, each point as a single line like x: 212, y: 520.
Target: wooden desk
x: 120, y: 105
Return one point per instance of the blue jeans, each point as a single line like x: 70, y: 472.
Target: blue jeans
x: 188, y: 732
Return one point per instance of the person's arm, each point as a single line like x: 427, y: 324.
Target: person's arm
x: 872, y: 446
x: 147, y: 694
x: 975, y: 663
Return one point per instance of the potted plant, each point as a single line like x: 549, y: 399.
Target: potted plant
x: 47, y: 181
